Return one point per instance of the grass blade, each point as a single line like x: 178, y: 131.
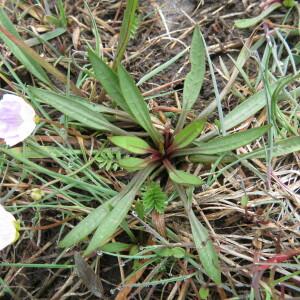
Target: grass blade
x: 36, y: 59
x: 68, y: 179
x: 25, y: 60
x: 126, y: 30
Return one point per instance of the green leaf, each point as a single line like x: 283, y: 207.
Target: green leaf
x: 114, y: 218
x: 108, y: 79
x: 230, y: 142
x: 87, y: 225
x: 246, y: 23
x: 165, y: 252
x: 178, y: 252
x: 128, y: 26
x: 154, y: 198
x: 187, y: 135
x: 137, y: 104
x: 208, y: 159
x: 75, y: 110
x: 110, y: 223
x: 131, y: 144
x: 203, y: 293
x: 116, y: 247
x: 98, y: 215
x: 194, y: 79
x: 184, y: 178
x: 275, y: 111
x: 31, y: 65
x: 133, y: 164
x: 289, y: 3
x: 207, y: 253
x: 244, y: 200
x: 280, y: 148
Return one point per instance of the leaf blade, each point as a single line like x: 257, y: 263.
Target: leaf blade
x: 205, y: 248
x: 188, y: 134
x: 75, y: 110
x: 132, y: 144
x: 246, y: 23
x: 108, y: 79
x: 184, y: 178
x: 115, y: 217
x: 194, y: 79
x: 137, y: 104
x: 231, y: 142
x: 132, y: 164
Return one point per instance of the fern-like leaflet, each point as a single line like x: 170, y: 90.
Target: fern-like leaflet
x: 154, y: 198
x: 108, y: 160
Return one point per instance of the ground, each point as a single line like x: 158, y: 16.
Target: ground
x: 264, y: 226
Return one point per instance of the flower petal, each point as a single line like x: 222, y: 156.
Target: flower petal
x: 21, y: 133
x: 17, y: 121
x: 8, y: 231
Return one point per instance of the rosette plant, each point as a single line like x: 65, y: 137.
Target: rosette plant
x: 156, y: 151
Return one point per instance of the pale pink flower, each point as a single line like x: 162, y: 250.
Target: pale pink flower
x: 9, y: 228
x: 265, y: 4
x: 17, y: 119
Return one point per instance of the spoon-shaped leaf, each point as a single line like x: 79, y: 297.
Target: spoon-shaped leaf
x: 132, y: 164
x: 205, y: 248
x: 131, y: 144
x: 227, y: 143
x: 207, y: 253
x: 246, y: 23
x: 137, y: 104
x: 114, y: 218
x: 184, y: 178
x: 108, y: 79
x: 188, y: 134
x: 194, y: 79
x: 75, y: 110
